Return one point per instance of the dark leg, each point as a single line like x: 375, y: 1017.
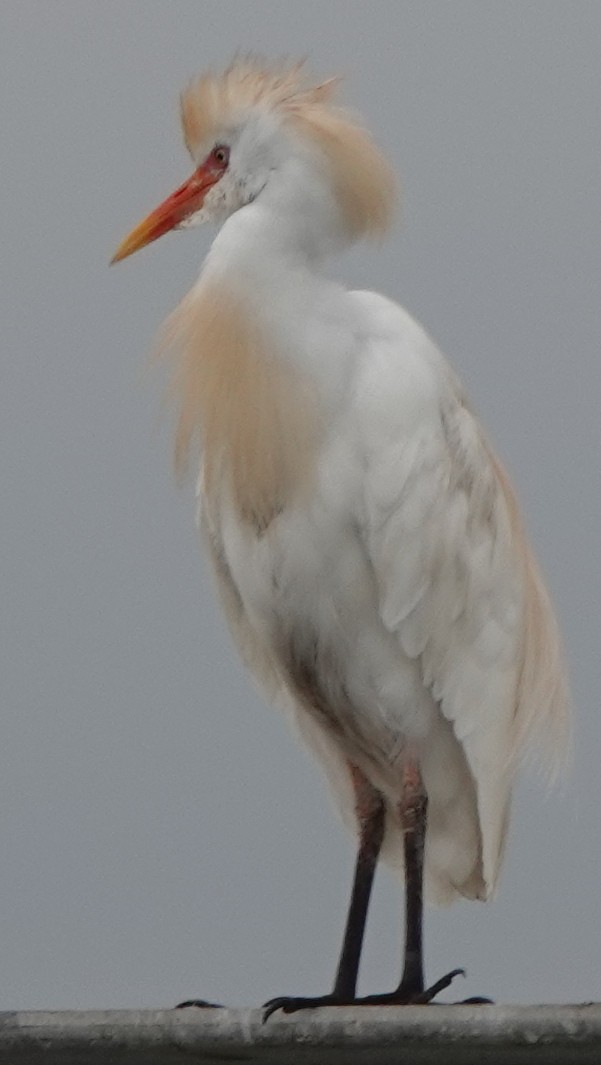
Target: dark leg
x: 369, y: 807
x: 413, y: 809
x: 414, y: 813
x: 370, y: 815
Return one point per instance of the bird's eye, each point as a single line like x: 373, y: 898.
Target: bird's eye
x: 221, y: 154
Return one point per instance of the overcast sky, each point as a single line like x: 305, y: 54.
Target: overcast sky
x: 162, y: 834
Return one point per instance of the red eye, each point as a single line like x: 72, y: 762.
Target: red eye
x: 221, y: 155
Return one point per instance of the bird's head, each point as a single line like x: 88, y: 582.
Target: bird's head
x: 264, y: 133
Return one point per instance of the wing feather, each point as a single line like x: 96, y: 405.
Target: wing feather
x: 459, y: 587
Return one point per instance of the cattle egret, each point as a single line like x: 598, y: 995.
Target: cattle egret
x: 365, y: 539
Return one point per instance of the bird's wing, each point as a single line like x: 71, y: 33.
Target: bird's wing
x: 457, y: 582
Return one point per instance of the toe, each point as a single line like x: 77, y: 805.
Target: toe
x: 200, y: 1003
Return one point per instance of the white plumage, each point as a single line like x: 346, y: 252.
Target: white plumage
x: 367, y: 544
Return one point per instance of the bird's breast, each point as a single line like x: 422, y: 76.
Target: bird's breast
x: 307, y: 592
x: 256, y: 414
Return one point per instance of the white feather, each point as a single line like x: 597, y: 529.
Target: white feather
x: 375, y: 574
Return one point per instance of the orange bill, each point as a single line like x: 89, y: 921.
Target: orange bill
x: 182, y: 203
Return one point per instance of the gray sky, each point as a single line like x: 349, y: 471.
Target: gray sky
x: 162, y: 834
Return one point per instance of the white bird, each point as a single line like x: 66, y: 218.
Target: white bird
x: 366, y: 541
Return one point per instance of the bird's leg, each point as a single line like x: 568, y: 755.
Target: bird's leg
x: 413, y: 810
x: 369, y: 808
x: 414, y: 817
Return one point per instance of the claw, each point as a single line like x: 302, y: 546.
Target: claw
x: 272, y: 1005
x: 200, y: 1003
x: 290, y: 1004
x: 431, y: 992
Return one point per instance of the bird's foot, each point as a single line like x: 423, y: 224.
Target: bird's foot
x: 200, y: 1004
x: 406, y: 995
x: 291, y: 1004
x: 402, y: 996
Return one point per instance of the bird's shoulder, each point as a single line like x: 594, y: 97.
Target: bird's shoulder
x: 402, y: 381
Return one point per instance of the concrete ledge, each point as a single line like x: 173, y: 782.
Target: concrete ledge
x: 406, y: 1035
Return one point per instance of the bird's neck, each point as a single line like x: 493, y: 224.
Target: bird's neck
x: 265, y: 242
x: 272, y: 263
